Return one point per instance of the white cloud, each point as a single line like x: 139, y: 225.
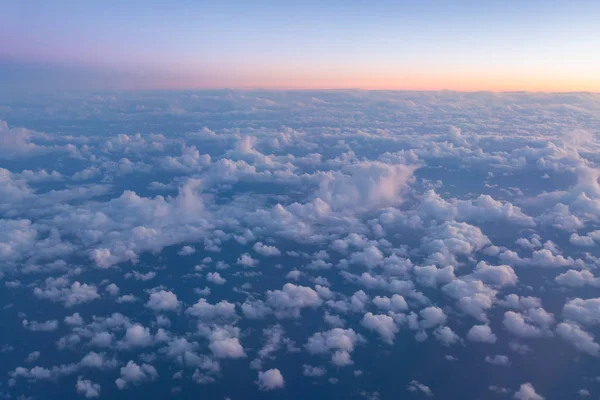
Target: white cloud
x: 265, y: 250
x: 270, y: 379
x: 215, y: 278
x: 206, y: 311
x: 46, y: 326
x: 481, y: 333
x: 580, y: 339
x: 87, y: 388
x: 527, y: 392
x: 585, y: 312
x: 186, y: 251
x: 416, y: 386
x: 384, y: 325
x: 163, y: 301
x: 133, y: 373
x: 498, y: 360
x: 341, y: 341
x: 136, y: 336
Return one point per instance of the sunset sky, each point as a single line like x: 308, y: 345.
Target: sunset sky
x: 416, y: 45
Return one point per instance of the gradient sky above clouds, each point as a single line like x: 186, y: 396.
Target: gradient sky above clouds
x: 459, y: 45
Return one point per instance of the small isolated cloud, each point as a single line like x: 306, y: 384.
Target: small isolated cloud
x: 186, y: 251
x: 527, y: 392
x: 482, y: 334
x: 418, y: 387
x: 270, y: 380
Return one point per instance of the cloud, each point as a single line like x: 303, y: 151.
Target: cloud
x: 135, y: 374
x: 384, y: 325
x: 580, y: 339
x: 186, y: 251
x: 58, y: 290
x: 288, y: 301
x: 270, y: 379
x: 136, y: 336
x: 215, y: 278
x: 498, y: 360
x: 267, y: 251
x: 87, y: 388
x: 309, y: 370
x: 576, y: 279
x: 416, y: 386
x: 163, y: 301
x: 206, y: 311
x: 341, y: 341
x: 583, y: 311
x: 527, y: 392
x: 482, y: 334
x: 46, y: 326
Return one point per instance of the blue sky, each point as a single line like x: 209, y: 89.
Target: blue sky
x: 462, y: 45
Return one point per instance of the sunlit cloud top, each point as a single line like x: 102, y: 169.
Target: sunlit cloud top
x: 426, y: 45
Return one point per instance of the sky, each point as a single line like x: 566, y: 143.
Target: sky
x: 409, y: 45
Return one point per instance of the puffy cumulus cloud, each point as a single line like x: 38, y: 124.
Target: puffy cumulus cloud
x: 501, y: 275
x: 246, y: 260
x: 337, y: 340
x: 215, y: 277
x: 395, y: 303
x: 452, y: 239
x: 482, y: 334
x: 59, y: 290
x: 527, y: 392
x: 186, y: 251
x: 74, y: 320
x: 535, y: 322
x: 266, y: 250
x: 585, y: 312
x: 87, y: 388
x: 185, y: 353
x: 19, y: 142
x: 543, y: 258
x: 446, y: 336
x: 134, y: 374
x: 270, y: 379
x: 474, y: 298
x: 163, y: 301
x: 138, y: 224
x: 483, y: 208
x: 206, y: 311
x: 588, y: 240
x: 580, y: 339
x: 431, y: 317
x: 384, y: 325
x: 576, y: 279
x: 289, y: 301
x: 432, y: 276
x: 517, y: 302
x: 365, y: 185
x: 136, y: 336
x: 224, y: 341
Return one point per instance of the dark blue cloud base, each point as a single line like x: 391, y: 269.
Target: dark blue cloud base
x: 294, y: 245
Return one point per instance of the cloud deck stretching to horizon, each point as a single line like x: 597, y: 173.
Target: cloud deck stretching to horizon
x: 256, y: 244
